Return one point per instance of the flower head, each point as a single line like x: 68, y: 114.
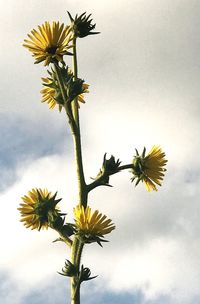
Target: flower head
x: 82, y: 25
x: 49, y: 43
x: 92, y: 226
x: 149, y: 169
x: 38, y: 209
x: 51, y: 92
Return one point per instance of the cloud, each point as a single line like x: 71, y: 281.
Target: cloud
x: 25, y: 140
x: 144, y: 90
x: 155, y: 232
x: 155, y: 245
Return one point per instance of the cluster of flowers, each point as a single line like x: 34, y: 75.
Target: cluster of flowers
x: 48, y: 44
x: 39, y: 210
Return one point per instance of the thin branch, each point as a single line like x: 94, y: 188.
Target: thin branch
x: 100, y: 181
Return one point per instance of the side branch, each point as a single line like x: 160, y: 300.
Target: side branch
x: 103, y: 178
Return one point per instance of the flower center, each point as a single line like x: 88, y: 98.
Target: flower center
x: 51, y: 49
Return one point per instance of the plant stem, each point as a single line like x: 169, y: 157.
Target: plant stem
x: 124, y: 167
x: 100, y: 181
x: 76, y: 252
x: 73, y: 116
x: 82, y: 190
x: 77, y: 247
x: 75, y: 72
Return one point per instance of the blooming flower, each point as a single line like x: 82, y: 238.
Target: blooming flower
x: 92, y: 225
x: 50, y: 92
x: 49, y: 43
x: 149, y: 169
x: 38, y: 209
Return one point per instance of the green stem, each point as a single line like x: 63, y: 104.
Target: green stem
x: 76, y: 252
x: 65, y: 239
x: 82, y: 190
x: 77, y: 247
x: 73, y: 116
x: 75, y: 72
x: 124, y: 167
x: 100, y: 181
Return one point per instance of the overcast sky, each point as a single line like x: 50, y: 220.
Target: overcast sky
x: 143, y: 70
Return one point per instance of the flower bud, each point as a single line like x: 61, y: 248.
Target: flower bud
x: 82, y: 25
x: 69, y: 270
x: 110, y: 166
x: 85, y: 274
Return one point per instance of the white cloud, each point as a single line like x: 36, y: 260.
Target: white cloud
x: 144, y: 91
x: 30, y: 255
x: 158, y: 247
x: 160, y: 267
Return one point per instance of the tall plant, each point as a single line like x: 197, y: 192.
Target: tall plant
x: 63, y: 89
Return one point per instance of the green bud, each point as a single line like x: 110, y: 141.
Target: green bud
x: 85, y: 274
x: 110, y: 166
x: 138, y: 166
x: 74, y: 88
x: 69, y: 270
x: 82, y: 25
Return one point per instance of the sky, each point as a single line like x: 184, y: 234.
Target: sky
x: 143, y: 70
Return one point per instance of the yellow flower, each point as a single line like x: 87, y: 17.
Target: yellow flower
x: 49, y: 43
x: 49, y: 94
x: 38, y: 209
x: 92, y: 225
x: 149, y: 169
